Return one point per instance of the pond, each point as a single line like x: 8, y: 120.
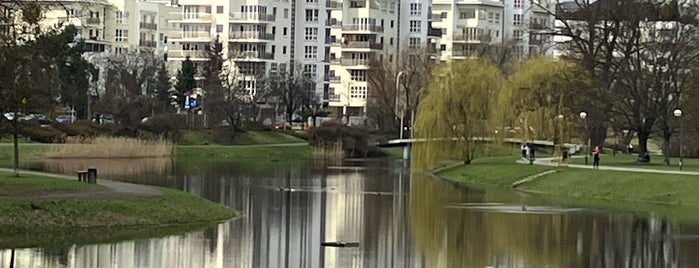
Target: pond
x: 386, y: 217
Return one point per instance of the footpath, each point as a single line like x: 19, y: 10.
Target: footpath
x: 116, y: 189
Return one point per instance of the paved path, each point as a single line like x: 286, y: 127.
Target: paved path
x: 115, y: 189
x: 549, y: 161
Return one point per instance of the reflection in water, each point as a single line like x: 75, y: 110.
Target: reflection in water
x: 287, y: 210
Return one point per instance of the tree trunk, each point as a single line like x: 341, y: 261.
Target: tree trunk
x: 642, y: 142
x: 15, y: 160
x: 666, y: 151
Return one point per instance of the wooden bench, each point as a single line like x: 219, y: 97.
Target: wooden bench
x: 82, y: 175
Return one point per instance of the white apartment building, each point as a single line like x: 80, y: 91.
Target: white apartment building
x: 468, y: 26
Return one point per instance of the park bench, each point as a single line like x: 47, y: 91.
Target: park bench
x: 82, y: 175
x: 87, y: 176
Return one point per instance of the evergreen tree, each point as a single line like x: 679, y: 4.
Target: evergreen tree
x: 165, y: 95
x: 185, y: 79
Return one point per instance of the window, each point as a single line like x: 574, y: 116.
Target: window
x: 497, y: 18
x: 414, y: 42
x: 122, y: 17
x: 443, y: 15
x: 285, y: 30
x: 311, y: 1
x: 207, y: 9
x: 310, y: 69
x: 481, y: 14
x: 357, y: 92
x: 274, y: 49
x: 311, y: 34
x: 390, y: 41
x: 517, y: 4
x: 121, y: 36
x: 391, y: 24
x: 310, y: 52
x: 284, y: 50
x: 442, y: 47
x: 358, y: 75
x: 491, y: 15
x: 311, y: 15
x: 286, y: 13
x: 415, y: 9
x: 219, y: 28
x: 516, y: 34
x: 517, y: 19
x: 415, y: 26
x: 219, y: 9
x: 468, y: 13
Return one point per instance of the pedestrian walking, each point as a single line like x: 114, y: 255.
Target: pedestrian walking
x: 595, y: 157
x: 524, y: 151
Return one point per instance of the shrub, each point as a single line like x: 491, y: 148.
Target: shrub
x: 164, y: 125
x: 42, y: 134
x: 83, y: 129
x: 354, y: 139
x: 224, y: 135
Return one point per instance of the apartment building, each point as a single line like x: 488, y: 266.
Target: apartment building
x: 471, y: 26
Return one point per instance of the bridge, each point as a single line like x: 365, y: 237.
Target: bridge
x: 406, y: 144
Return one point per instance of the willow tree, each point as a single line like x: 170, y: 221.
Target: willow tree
x: 455, y: 114
x: 540, y: 90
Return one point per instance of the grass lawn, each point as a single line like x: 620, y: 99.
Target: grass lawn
x: 264, y: 137
x: 27, y: 185
x: 19, y: 221
x: 629, y: 160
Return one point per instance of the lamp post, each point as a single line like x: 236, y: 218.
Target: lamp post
x: 583, y: 116
x: 402, y: 111
x: 678, y: 113
x: 560, y: 136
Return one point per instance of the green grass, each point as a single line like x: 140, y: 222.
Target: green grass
x: 263, y: 137
x: 492, y: 171
x: 28, y: 185
x: 191, y: 137
x: 629, y: 160
x: 173, y: 208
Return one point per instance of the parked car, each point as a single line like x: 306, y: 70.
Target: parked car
x: 40, y: 118
x: 284, y: 126
x: 65, y: 119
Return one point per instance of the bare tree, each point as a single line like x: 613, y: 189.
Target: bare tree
x: 290, y: 90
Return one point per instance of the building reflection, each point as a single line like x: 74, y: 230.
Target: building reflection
x: 283, y: 218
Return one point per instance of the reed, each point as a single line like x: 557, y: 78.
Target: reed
x: 107, y: 147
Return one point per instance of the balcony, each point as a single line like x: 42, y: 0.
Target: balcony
x: 148, y: 26
x: 251, y: 17
x: 147, y: 43
x: 190, y: 36
x: 333, y: 79
x: 93, y: 21
x: 355, y: 62
x: 362, y: 45
x: 471, y: 38
x: 251, y: 55
x: 191, y: 17
x: 462, y: 53
x: 436, y: 17
x: 434, y: 32
x: 333, y: 23
x: 362, y: 28
x: 192, y: 54
x: 248, y: 36
x: 330, y: 4
x: 334, y: 97
x: 537, y: 26
x: 332, y: 40
x: 536, y: 42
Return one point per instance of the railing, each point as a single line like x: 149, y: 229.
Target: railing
x: 147, y: 43
x: 185, y: 35
x: 434, y: 32
x: 354, y: 62
x: 334, y: 97
x: 191, y: 16
x: 333, y: 4
x: 360, y: 44
x: 436, y: 17
x: 93, y: 20
x: 251, y: 16
x: 187, y: 53
x: 251, y: 35
x: 252, y: 55
x: 362, y: 27
x: 146, y: 25
x: 462, y: 53
x: 333, y: 22
x: 333, y: 79
x: 471, y: 38
x: 537, y: 26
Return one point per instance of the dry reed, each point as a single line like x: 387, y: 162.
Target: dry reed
x: 329, y: 151
x: 107, y: 147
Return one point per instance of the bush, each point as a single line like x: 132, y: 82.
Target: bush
x: 163, y: 125
x: 224, y: 135
x: 354, y: 139
x: 42, y: 134
x: 83, y: 129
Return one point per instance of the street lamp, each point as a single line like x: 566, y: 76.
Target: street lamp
x: 402, y: 111
x: 583, y: 116
x: 678, y: 113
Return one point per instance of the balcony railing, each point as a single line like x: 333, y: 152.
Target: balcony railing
x: 150, y: 26
x: 362, y: 28
x: 147, y: 43
x: 251, y: 35
x: 330, y: 4
x: 251, y: 16
x: 191, y: 16
x: 189, y: 35
x: 333, y: 22
x: 200, y: 54
x: 333, y: 79
x: 334, y: 97
x: 471, y: 38
x: 537, y: 26
x: 332, y: 41
x: 434, y: 32
x: 358, y: 44
x: 436, y: 17
x: 354, y: 62
x: 252, y: 55
x: 93, y: 20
